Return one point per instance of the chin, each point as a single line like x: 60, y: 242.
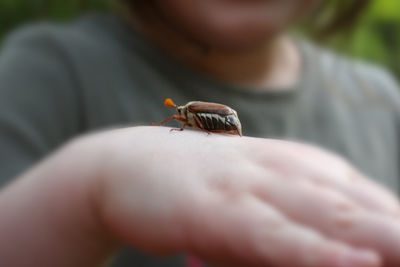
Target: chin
x: 238, y: 38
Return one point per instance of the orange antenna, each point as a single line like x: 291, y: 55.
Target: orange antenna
x: 169, y: 103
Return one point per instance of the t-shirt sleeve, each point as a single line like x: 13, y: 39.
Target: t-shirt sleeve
x: 39, y: 107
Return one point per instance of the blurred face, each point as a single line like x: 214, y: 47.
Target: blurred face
x: 232, y: 24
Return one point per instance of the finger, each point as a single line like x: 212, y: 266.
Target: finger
x: 354, y: 185
x: 373, y: 231
x: 369, y: 194
x: 335, y: 215
x: 326, y: 169
x: 246, y: 232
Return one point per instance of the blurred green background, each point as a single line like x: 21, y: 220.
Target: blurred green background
x: 376, y: 37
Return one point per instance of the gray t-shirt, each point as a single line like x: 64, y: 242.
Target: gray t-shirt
x: 59, y: 81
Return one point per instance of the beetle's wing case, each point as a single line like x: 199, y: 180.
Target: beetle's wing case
x: 212, y: 116
x: 205, y: 107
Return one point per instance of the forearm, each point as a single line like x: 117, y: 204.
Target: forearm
x: 48, y: 216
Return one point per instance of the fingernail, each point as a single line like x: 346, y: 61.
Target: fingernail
x: 359, y: 258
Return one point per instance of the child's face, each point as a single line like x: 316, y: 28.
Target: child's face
x: 233, y: 24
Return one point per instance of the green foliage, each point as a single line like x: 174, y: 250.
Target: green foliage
x: 376, y: 38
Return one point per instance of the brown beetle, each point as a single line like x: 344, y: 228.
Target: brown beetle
x: 210, y: 117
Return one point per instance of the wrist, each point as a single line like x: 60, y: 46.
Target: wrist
x: 49, y: 211
x: 86, y: 172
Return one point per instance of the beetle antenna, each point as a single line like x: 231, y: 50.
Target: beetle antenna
x: 169, y: 103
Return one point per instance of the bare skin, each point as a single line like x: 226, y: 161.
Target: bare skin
x: 251, y: 202
x: 240, y: 42
x: 230, y: 200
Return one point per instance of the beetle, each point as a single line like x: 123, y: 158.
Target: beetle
x: 209, y: 117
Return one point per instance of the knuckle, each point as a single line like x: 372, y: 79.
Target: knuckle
x: 234, y: 182
x: 345, y: 217
x: 225, y: 182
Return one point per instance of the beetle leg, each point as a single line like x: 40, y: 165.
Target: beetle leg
x: 181, y: 129
x: 232, y: 132
x: 206, y: 131
x: 201, y: 125
x: 198, y: 122
x: 161, y: 123
x: 183, y: 126
x: 228, y: 132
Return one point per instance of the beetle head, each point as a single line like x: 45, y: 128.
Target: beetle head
x: 179, y: 110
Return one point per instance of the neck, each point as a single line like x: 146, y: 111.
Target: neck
x: 272, y: 65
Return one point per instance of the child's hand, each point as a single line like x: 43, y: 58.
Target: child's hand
x: 243, y: 201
